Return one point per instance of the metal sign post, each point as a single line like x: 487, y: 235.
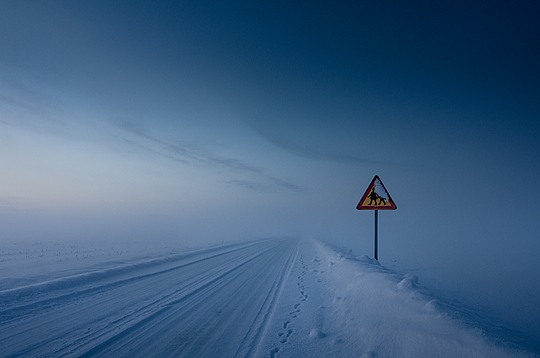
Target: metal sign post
x: 376, y: 235
x: 376, y: 198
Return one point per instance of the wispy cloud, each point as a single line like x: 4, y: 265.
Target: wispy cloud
x: 24, y: 106
x: 266, y: 185
x: 308, y: 149
x: 245, y: 174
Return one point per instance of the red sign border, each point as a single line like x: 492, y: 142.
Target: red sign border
x: 375, y: 207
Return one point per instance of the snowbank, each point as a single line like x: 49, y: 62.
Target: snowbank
x: 366, y: 310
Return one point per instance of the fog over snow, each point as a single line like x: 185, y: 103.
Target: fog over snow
x: 129, y: 130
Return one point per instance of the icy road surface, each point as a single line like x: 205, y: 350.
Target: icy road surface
x: 268, y: 298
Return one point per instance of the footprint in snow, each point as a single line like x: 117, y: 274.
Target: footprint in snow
x: 286, y: 338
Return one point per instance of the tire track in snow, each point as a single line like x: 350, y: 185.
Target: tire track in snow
x: 164, y: 308
x: 186, y: 333
x: 75, y: 334
x: 267, y: 310
x: 41, y: 296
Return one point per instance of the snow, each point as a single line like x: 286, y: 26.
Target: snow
x: 263, y: 298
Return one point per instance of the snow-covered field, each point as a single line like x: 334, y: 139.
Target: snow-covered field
x: 264, y: 298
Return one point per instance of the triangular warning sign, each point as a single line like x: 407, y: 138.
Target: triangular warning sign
x: 376, y: 197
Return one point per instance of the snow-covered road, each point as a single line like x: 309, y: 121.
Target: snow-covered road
x: 208, y: 303
x: 265, y: 298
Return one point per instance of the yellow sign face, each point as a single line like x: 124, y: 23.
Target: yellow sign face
x: 376, y: 197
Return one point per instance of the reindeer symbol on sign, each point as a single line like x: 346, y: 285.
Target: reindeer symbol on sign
x: 376, y: 199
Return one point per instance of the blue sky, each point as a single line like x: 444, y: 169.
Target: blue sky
x: 205, y: 120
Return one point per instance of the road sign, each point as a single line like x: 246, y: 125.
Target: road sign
x: 376, y: 197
